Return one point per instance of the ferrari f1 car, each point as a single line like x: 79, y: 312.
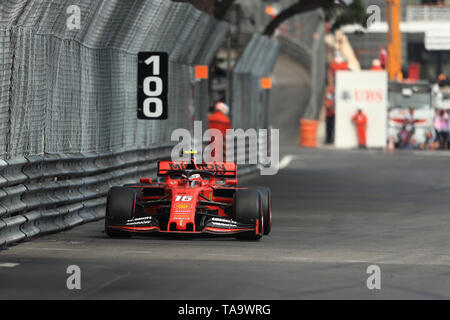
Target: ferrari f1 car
x: 189, y: 198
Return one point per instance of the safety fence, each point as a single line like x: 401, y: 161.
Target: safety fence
x: 68, y: 119
x: 250, y: 101
x: 303, y: 38
x: 75, y: 90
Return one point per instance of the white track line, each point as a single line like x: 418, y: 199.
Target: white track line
x: 286, y: 161
x: 8, y: 265
x: 55, y: 249
x: 107, y: 283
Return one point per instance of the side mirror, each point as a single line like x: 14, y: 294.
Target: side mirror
x: 146, y: 180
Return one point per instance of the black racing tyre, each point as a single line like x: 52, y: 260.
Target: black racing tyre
x: 120, y: 207
x: 247, y: 208
x: 266, y: 199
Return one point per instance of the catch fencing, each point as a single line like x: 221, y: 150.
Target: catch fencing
x: 250, y: 102
x: 68, y: 109
x: 303, y: 38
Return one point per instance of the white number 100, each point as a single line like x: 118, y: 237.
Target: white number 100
x: 153, y: 102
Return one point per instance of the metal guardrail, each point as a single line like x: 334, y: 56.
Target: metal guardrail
x: 44, y: 194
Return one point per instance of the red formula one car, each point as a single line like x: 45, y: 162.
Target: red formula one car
x: 190, y: 198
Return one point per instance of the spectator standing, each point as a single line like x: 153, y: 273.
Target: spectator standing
x: 360, y: 120
x: 219, y: 120
x: 330, y: 114
x: 437, y: 124
x: 410, y: 120
x: 402, y: 136
x: 442, y: 79
x: 383, y: 57
x: 446, y: 128
x: 441, y: 127
x: 338, y: 64
x: 376, y: 65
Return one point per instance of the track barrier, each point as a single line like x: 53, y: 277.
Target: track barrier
x: 308, y: 133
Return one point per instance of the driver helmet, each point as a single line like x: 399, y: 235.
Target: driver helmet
x: 195, y: 180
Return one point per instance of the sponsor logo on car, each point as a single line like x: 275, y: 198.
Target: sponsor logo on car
x: 181, y: 217
x: 183, y: 206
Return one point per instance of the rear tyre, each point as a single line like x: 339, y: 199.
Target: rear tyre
x: 266, y: 198
x: 120, y: 207
x: 247, y: 209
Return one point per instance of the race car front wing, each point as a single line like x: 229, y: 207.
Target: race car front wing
x: 214, y: 225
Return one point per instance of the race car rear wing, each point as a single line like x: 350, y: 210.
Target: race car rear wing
x: 220, y: 169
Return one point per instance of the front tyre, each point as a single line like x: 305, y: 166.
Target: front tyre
x: 120, y: 207
x: 266, y: 199
x: 247, y: 209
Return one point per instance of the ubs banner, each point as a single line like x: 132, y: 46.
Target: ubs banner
x: 365, y: 90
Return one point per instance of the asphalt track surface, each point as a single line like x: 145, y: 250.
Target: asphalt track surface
x: 334, y: 214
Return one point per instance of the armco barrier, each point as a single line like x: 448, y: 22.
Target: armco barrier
x: 44, y: 194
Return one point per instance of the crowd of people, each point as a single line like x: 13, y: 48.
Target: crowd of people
x: 407, y: 138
